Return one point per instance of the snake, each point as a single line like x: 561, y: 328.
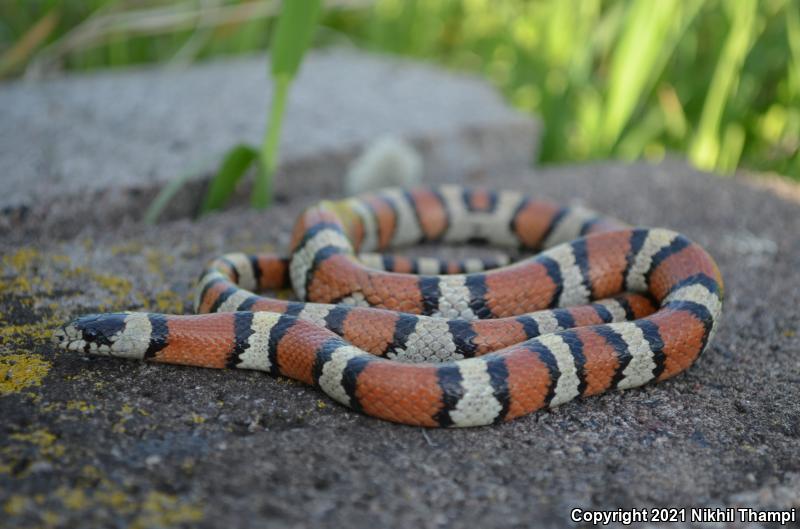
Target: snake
x: 595, y: 305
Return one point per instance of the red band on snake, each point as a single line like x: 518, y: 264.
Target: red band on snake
x: 434, y: 342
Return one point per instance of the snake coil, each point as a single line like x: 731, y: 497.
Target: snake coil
x: 436, y: 342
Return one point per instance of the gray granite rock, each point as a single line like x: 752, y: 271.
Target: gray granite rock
x: 96, y: 442
x: 96, y: 149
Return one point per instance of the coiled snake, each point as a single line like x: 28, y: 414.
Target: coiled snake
x: 435, y: 342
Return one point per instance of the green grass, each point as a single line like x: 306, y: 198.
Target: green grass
x: 715, y: 81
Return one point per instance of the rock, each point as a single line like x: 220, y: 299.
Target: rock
x: 104, y: 442
x: 240, y: 449
x: 96, y: 149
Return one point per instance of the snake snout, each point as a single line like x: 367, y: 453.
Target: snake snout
x: 69, y: 337
x: 60, y: 335
x: 94, y: 333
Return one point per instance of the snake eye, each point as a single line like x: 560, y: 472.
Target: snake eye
x: 90, y: 334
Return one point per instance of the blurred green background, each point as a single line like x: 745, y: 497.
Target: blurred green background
x: 714, y: 81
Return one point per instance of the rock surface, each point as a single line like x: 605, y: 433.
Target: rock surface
x: 95, y: 149
x: 113, y: 443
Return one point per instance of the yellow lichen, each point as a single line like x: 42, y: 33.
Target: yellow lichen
x: 40, y: 332
x: 74, y: 499
x: 116, y: 499
x: 118, y: 286
x: 51, y: 519
x: 80, y: 405
x: 125, y: 413
x: 25, y: 279
x: 22, y: 258
x: 159, y: 509
x: 130, y: 248
x: 157, y: 262
x: 21, y: 370
x: 168, y: 302
x: 15, y: 505
x: 156, y: 509
x: 42, y: 439
x: 22, y: 284
x: 76, y: 271
x: 90, y: 472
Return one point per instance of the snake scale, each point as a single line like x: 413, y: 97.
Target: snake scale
x: 436, y: 342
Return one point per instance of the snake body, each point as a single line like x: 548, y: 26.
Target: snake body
x: 442, y: 342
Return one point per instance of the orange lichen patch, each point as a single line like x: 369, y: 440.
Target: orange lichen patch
x: 519, y: 289
x: 601, y: 361
x: 297, y: 350
x: 200, y: 340
x: 690, y: 261
x: 533, y: 221
x: 404, y: 393
x: 607, y: 263
x: 370, y: 329
x: 683, y: 336
x: 496, y: 334
x: 434, y: 221
x: 528, y: 381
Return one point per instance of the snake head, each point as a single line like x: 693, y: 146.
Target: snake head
x: 93, y: 333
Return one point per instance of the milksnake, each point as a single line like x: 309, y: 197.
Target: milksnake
x: 433, y: 342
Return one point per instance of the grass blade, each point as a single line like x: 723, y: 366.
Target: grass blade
x: 295, y: 28
x: 25, y: 46
x: 705, y: 148
x: 236, y: 162
x: 793, y: 36
x: 170, y: 190
x: 650, y: 34
x: 268, y: 157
